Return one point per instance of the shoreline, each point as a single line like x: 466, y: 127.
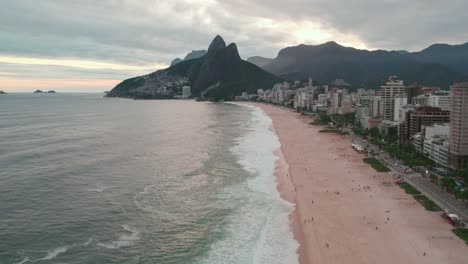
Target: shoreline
x: 287, y: 191
x: 335, y: 219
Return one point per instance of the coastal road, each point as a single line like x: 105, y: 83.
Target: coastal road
x: 438, y: 195
x: 443, y: 199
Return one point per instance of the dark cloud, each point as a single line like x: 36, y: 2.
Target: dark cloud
x: 388, y: 24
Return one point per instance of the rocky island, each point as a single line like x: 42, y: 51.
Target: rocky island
x: 2, y: 92
x: 220, y: 74
x: 40, y: 91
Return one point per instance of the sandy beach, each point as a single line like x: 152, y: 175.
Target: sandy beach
x: 346, y: 212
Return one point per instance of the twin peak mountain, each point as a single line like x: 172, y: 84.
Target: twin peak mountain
x: 219, y: 74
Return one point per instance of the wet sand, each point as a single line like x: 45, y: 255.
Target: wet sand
x: 345, y: 211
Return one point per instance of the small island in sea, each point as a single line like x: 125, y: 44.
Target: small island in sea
x: 2, y: 92
x: 40, y: 91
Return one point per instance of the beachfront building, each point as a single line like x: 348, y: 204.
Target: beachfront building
x: 300, y: 98
x: 418, y: 141
x: 437, y: 149
x: 459, y: 126
x: 389, y: 130
x: 421, y: 100
x: 362, y: 116
x: 391, y: 89
x: 426, y: 116
x: 429, y: 89
x: 441, y: 99
x: 336, y: 98
x: 413, y: 91
x: 404, y: 119
x: 375, y: 106
x: 435, y: 145
x: 364, y: 100
x: 361, y: 91
x: 186, y: 92
x: 398, y: 103
x: 346, y: 106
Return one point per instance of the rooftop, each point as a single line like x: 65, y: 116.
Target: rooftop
x: 460, y: 85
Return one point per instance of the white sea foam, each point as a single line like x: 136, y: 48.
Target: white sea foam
x: 24, y: 260
x: 54, y: 253
x: 259, y: 231
x: 125, y: 240
x: 98, y: 189
x: 88, y: 242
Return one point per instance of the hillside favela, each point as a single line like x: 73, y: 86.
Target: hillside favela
x: 234, y: 132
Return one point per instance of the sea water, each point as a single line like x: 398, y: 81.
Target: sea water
x: 86, y: 179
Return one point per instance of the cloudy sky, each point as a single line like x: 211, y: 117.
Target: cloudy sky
x: 90, y: 45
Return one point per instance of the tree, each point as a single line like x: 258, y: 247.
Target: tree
x: 392, y: 135
x: 434, y: 178
x: 449, y: 184
x: 374, y: 132
x: 464, y: 195
x: 463, y: 174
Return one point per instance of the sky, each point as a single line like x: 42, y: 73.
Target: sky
x: 90, y: 46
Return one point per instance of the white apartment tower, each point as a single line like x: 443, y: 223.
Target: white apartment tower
x: 399, y: 102
x: 388, y: 92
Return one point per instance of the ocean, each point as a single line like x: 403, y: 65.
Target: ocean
x: 87, y: 179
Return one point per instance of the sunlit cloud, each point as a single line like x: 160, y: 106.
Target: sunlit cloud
x: 75, y: 63
x: 7, y: 73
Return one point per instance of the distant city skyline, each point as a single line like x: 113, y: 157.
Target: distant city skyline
x: 88, y: 46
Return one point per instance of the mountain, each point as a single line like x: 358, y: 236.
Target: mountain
x: 329, y: 61
x: 175, y: 61
x: 259, y: 61
x: 402, y: 52
x: 219, y: 74
x: 191, y: 55
x: 452, y: 56
x: 195, y: 54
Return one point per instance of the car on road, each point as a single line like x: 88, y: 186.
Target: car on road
x: 452, y: 218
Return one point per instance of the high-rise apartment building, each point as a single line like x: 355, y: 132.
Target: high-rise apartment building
x: 388, y: 92
x: 426, y: 116
x: 398, y: 103
x: 459, y: 126
x: 440, y: 99
x: 413, y: 91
